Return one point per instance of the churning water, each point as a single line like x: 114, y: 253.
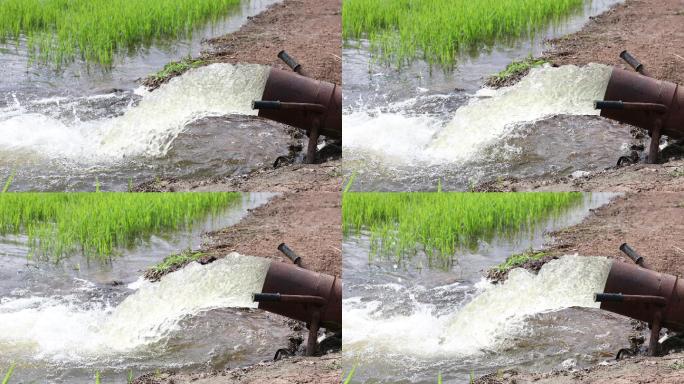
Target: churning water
x: 145, y: 129
x: 484, y: 323
x: 61, y: 328
x: 490, y: 116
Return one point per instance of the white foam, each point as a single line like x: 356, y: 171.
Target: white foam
x: 491, y: 115
x: 147, y: 129
x: 61, y: 328
x: 484, y: 323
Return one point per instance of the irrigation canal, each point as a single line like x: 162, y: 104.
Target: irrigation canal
x: 407, y: 128
x: 63, y: 323
x: 62, y: 129
x: 404, y: 321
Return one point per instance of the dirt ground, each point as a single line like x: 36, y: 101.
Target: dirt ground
x: 310, y: 224
x: 311, y: 32
x: 325, y: 177
x: 653, y: 31
x: 641, y: 370
x: 296, y: 370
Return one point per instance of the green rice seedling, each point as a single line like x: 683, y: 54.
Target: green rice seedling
x: 59, y: 225
x: 8, y: 375
x: 61, y: 31
x: 438, y: 31
x: 8, y: 183
x: 350, y: 375
x: 400, y: 225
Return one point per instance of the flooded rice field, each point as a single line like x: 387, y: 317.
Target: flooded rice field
x: 64, y: 322
x: 412, y: 127
x: 64, y: 129
x: 404, y: 321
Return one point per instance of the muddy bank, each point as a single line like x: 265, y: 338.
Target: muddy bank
x: 310, y: 31
x: 639, y: 177
x: 653, y: 31
x: 326, y: 177
x: 310, y: 223
x: 640, y: 370
x: 652, y: 223
x: 297, y: 370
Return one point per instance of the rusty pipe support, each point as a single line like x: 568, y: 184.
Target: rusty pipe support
x: 629, y: 106
x: 633, y: 62
x: 278, y: 105
x: 292, y: 63
x: 633, y: 254
x: 290, y: 254
x: 619, y: 298
x: 280, y: 298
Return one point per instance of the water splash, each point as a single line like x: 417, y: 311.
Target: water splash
x: 63, y: 328
x: 147, y: 129
x: 484, y: 323
x: 489, y: 117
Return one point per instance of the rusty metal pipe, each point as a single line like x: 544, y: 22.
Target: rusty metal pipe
x: 633, y: 254
x: 290, y: 254
x: 303, y: 295
x: 288, y: 87
x: 630, y: 87
x: 633, y: 62
x: 646, y: 295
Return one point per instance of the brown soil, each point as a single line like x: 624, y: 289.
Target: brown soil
x: 639, y: 177
x: 651, y: 222
x: 652, y: 30
x: 326, y: 177
x: 308, y: 222
x: 309, y: 30
x: 640, y: 370
x: 296, y: 370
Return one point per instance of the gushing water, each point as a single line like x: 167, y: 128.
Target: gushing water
x: 485, y: 322
x: 488, y: 118
x: 62, y: 328
x: 147, y: 129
